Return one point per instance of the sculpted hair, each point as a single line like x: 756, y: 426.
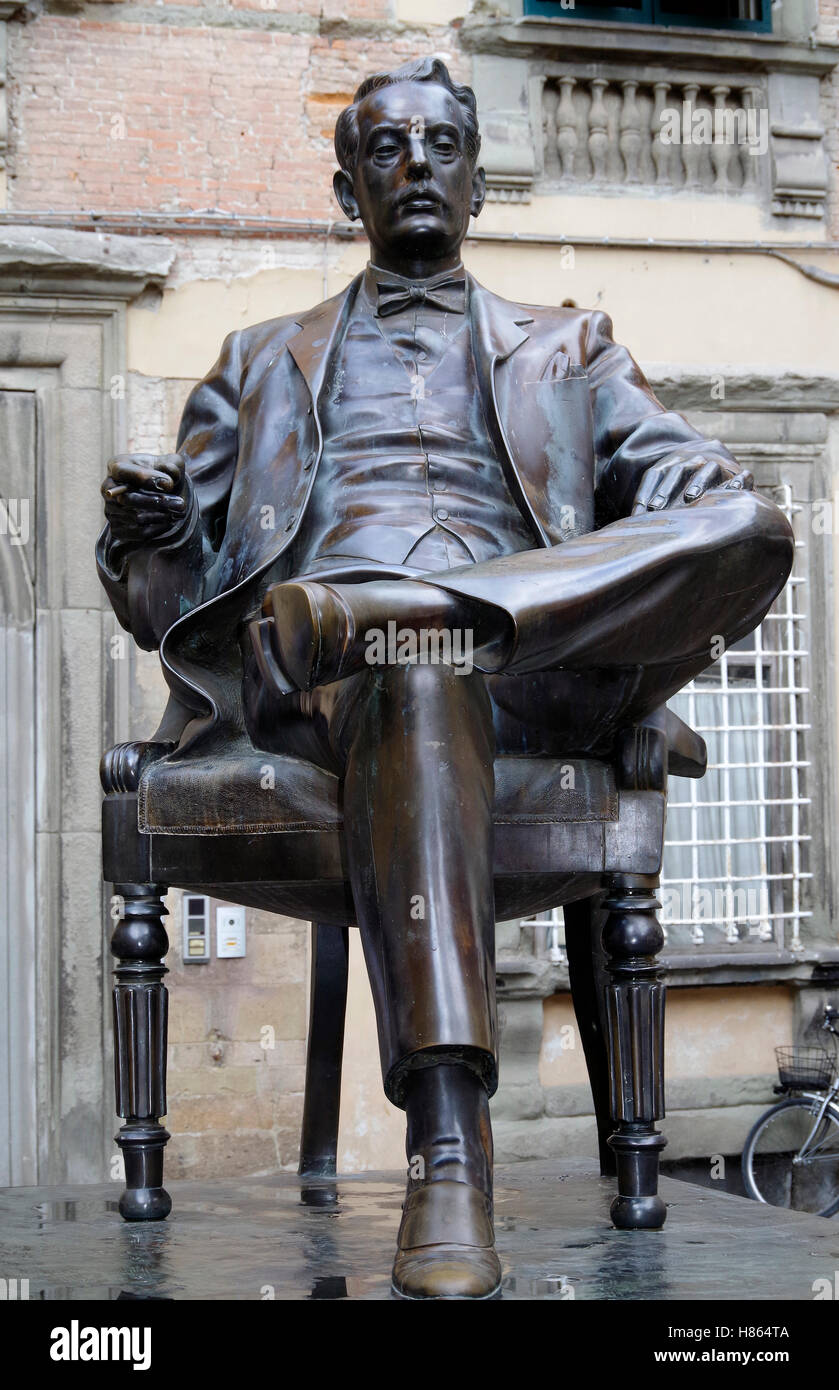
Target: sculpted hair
x: 422, y: 70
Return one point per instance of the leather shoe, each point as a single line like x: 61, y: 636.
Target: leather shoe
x: 446, y: 1244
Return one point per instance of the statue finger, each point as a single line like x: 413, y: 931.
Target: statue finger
x: 174, y: 466
x: 744, y: 481
x: 140, y: 471
x: 670, y: 486
x: 647, y: 490
x: 153, y: 502
x: 708, y: 475
x: 130, y: 523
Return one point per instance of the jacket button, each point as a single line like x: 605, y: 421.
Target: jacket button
x: 307, y: 465
x: 442, y: 515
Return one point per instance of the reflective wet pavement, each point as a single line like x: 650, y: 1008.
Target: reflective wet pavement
x: 277, y: 1237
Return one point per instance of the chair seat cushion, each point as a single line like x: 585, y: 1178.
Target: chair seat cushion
x: 249, y: 792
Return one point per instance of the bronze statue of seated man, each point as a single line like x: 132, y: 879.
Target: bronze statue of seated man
x: 418, y: 459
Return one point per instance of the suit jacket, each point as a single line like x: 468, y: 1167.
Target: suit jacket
x: 574, y: 420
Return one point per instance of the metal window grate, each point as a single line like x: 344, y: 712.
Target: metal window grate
x: 735, y: 860
x: 548, y: 934
x: 735, y: 863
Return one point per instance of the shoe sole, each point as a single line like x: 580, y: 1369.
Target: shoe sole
x: 446, y: 1297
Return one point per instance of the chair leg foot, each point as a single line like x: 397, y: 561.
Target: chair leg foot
x: 637, y: 1206
x: 140, y: 1028
x: 632, y: 938
x: 145, y: 1198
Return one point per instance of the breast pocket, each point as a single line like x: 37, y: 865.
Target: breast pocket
x: 551, y: 432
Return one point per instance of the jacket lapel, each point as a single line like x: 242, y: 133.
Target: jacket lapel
x: 312, y: 347
x: 496, y: 325
x: 497, y: 332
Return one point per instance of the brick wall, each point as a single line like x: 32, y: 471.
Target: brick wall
x: 109, y: 114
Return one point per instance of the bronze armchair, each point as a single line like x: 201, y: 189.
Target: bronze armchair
x: 219, y: 825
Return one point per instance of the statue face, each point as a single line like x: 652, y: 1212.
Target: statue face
x: 414, y: 186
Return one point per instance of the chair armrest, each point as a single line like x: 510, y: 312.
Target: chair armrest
x: 659, y: 745
x: 687, y: 752
x: 122, y: 766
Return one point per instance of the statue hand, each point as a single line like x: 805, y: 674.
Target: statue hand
x: 145, y: 496
x: 678, y: 482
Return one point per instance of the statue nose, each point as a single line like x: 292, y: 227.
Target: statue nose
x: 417, y: 157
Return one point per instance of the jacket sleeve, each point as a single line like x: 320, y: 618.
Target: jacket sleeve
x: 632, y: 430
x: 150, y: 587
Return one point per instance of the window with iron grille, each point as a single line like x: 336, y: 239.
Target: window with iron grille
x: 736, y: 850
x: 703, y: 14
x: 736, y: 869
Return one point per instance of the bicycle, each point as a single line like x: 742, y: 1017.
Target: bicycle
x: 791, y: 1156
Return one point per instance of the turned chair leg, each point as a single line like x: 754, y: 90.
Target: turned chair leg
x: 632, y: 939
x: 140, y: 1016
x: 325, y: 1051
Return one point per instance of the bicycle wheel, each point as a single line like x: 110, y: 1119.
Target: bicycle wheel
x: 776, y: 1171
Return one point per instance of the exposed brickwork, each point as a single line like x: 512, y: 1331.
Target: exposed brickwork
x: 118, y: 115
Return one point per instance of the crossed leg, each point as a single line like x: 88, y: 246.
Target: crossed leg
x: 647, y: 593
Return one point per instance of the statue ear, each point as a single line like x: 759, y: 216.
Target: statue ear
x: 343, y: 186
x: 479, y: 192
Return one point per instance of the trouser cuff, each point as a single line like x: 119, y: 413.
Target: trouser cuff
x: 479, y: 1061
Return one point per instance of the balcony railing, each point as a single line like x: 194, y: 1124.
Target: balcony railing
x: 614, y: 131
x: 586, y: 107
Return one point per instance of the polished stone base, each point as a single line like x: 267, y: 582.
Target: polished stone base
x: 276, y: 1237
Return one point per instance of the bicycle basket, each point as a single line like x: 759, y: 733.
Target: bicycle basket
x: 804, y: 1068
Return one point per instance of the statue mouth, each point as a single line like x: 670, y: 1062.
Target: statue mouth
x: 421, y: 202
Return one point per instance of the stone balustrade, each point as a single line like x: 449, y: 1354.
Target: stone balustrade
x: 616, y: 131
x: 653, y: 112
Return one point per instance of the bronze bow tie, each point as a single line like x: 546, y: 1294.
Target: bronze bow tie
x: 448, y: 295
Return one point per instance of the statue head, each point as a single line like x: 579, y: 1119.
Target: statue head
x: 408, y: 150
